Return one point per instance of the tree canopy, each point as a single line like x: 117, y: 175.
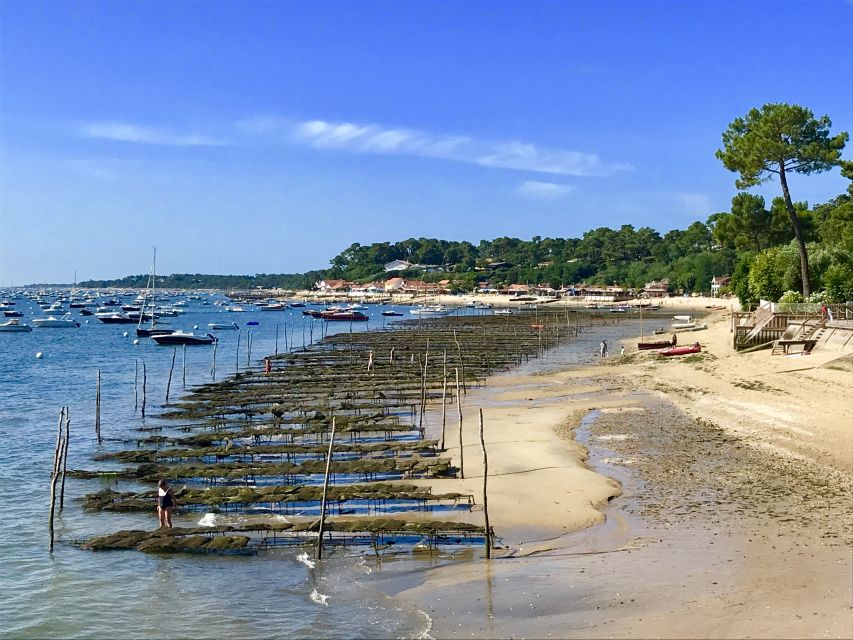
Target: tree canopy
x: 776, y: 139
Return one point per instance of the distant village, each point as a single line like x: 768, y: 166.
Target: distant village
x: 395, y: 284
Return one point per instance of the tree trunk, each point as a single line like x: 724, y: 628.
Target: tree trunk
x: 798, y: 231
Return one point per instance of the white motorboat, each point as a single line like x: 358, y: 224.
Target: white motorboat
x: 179, y: 337
x: 683, y: 325
x: 15, y: 325
x: 431, y: 310
x: 66, y: 321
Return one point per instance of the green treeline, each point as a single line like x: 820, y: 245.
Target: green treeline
x: 752, y: 242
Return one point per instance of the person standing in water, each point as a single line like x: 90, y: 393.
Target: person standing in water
x: 603, y: 348
x: 165, y: 503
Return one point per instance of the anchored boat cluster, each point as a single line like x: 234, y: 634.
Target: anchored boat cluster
x: 257, y: 443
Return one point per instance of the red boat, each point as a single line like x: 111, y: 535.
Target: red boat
x: 681, y: 351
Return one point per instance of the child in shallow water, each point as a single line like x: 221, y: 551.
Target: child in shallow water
x: 165, y: 503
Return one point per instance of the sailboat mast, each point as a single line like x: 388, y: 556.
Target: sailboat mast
x: 153, y: 285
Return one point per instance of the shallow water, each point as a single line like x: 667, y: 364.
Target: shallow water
x: 108, y: 594
x: 85, y: 594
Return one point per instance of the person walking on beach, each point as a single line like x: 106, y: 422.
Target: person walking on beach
x: 165, y: 503
x: 267, y: 366
x: 603, y: 348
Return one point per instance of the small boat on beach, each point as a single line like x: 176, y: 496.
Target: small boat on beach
x: 65, y: 322
x: 659, y: 344
x: 216, y: 326
x: 179, y: 337
x: 681, y: 351
x: 14, y: 325
x: 683, y: 325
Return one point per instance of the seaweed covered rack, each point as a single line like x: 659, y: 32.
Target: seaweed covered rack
x: 255, y: 448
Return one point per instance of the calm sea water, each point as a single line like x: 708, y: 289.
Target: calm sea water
x: 130, y: 594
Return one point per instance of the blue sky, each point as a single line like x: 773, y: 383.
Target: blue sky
x: 261, y: 137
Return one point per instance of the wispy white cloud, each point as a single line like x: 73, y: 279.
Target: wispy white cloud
x: 543, y: 190
x: 379, y: 139
x: 138, y: 134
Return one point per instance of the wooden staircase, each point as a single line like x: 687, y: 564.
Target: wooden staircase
x: 800, y: 333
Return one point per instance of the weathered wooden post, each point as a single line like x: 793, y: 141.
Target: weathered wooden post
x: 443, y: 410
x: 171, y: 369
x: 423, y: 389
x: 213, y: 363
x: 184, y: 363
x: 459, y: 408
x: 237, y: 363
x: 98, y: 407
x: 276, y: 338
x: 485, y: 495
x: 54, y: 476
x: 136, y: 386
x: 144, y: 386
x: 325, y: 490
x: 64, y: 459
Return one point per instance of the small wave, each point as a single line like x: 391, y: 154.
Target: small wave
x: 304, y: 559
x: 208, y: 520
x: 319, y: 598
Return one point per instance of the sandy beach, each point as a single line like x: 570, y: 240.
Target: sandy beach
x: 641, y: 496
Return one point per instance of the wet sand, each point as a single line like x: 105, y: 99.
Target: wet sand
x: 670, y: 512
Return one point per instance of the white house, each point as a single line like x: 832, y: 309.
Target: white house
x: 398, y: 265
x: 718, y: 282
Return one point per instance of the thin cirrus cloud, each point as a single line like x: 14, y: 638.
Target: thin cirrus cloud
x: 138, y: 134
x: 378, y: 139
x: 543, y: 190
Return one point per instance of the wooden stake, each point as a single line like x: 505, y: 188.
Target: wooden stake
x: 67, y: 439
x: 459, y: 407
x: 98, y: 408
x: 443, y: 411
x: 423, y: 389
x: 54, y: 476
x: 144, y: 387
x: 325, y: 490
x: 171, y: 368
x: 184, y: 363
x: 238, y: 351
x: 485, y: 498
x: 136, y: 386
x: 213, y: 363
x: 276, y: 338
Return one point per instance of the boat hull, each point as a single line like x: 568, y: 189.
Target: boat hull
x: 661, y: 344
x: 183, y: 338
x: 681, y: 351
